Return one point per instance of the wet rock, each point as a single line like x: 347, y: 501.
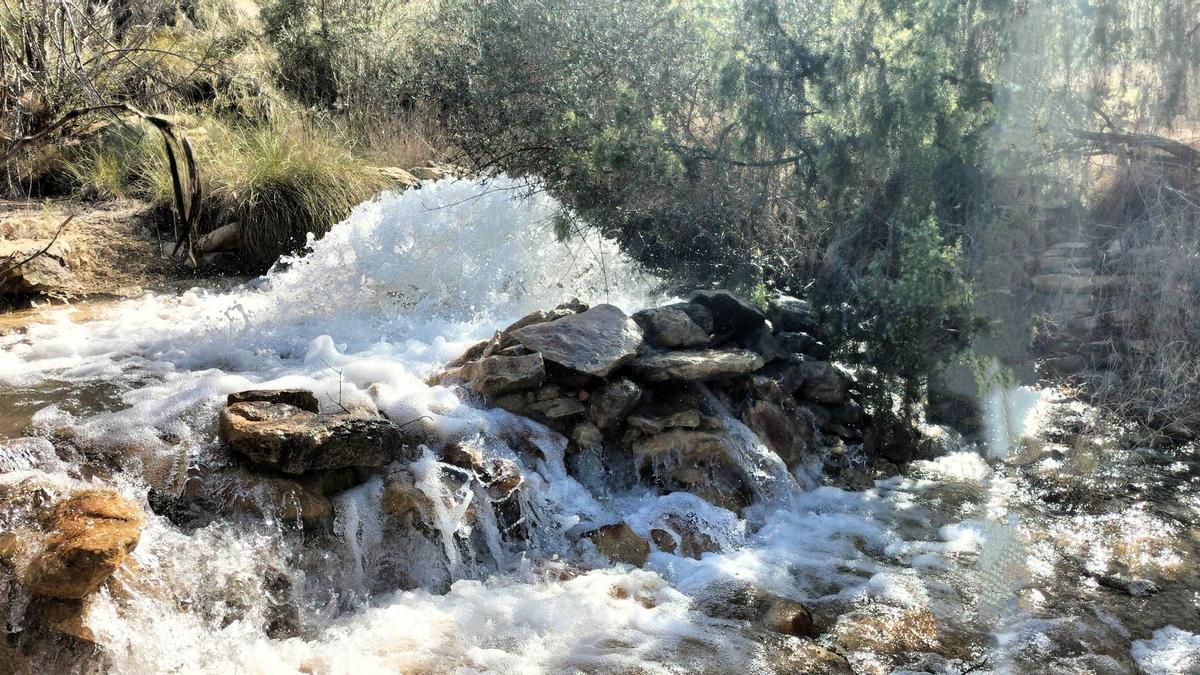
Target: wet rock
x: 780, y: 380
x: 666, y: 411
x: 805, y: 656
x: 87, y: 536
x: 294, y: 441
x: 744, y: 602
x: 620, y: 543
x: 698, y: 365
x: 238, y: 491
x: 299, y: 398
x: 671, y: 327
x: 495, y: 375
x: 401, y: 494
x: 663, y: 540
x: 691, y: 444
x: 595, y: 342
x: 609, y: 406
x: 788, y: 435
x: 824, y: 383
x: 550, y: 405
x: 693, y: 541
x: 587, y: 435
x: 731, y: 314
x: 788, y: 617
x: 789, y: 314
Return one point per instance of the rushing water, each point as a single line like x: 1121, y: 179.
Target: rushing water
x: 1050, y: 549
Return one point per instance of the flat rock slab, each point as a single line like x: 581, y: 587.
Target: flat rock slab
x: 300, y: 398
x: 294, y: 441
x: 595, y: 342
x: 697, y: 365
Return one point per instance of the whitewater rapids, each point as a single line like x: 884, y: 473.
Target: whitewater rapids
x: 402, y: 286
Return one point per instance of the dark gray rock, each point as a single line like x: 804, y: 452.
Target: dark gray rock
x: 731, y: 315
x: 609, y: 406
x: 793, y: 314
x: 595, y: 342
x: 824, y: 383
x: 670, y: 327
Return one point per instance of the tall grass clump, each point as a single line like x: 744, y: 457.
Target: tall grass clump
x: 278, y: 179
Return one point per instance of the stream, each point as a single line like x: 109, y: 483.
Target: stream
x: 1050, y: 548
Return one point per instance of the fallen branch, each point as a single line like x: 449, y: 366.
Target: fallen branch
x: 8, y: 268
x: 1182, y: 151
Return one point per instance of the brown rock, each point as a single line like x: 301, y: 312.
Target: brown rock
x: 788, y: 435
x: 620, y: 543
x: 663, y: 540
x: 595, y: 342
x: 707, y: 445
x: 300, y: 398
x: 89, y: 535
x: 495, y: 375
x: 788, y: 617
x: 294, y: 441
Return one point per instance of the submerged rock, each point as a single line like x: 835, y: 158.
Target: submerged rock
x: 692, y: 444
x: 595, y: 342
x: 699, y: 365
x: 620, y: 543
x: 287, y: 439
x: 495, y: 375
x: 65, y: 540
x: 671, y: 326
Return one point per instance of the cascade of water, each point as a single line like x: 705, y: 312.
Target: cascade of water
x: 773, y: 485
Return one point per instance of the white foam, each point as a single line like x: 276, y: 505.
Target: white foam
x: 1171, y: 651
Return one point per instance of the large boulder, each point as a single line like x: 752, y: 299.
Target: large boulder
x: 731, y: 315
x: 65, y: 539
x: 673, y: 327
x: 595, y: 342
x: 697, y: 365
x: 620, y: 543
x: 287, y: 439
x: 495, y: 375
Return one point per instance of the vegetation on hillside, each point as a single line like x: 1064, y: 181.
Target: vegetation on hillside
x: 881, y: 157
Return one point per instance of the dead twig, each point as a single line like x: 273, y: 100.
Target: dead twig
x: 8, y: 268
